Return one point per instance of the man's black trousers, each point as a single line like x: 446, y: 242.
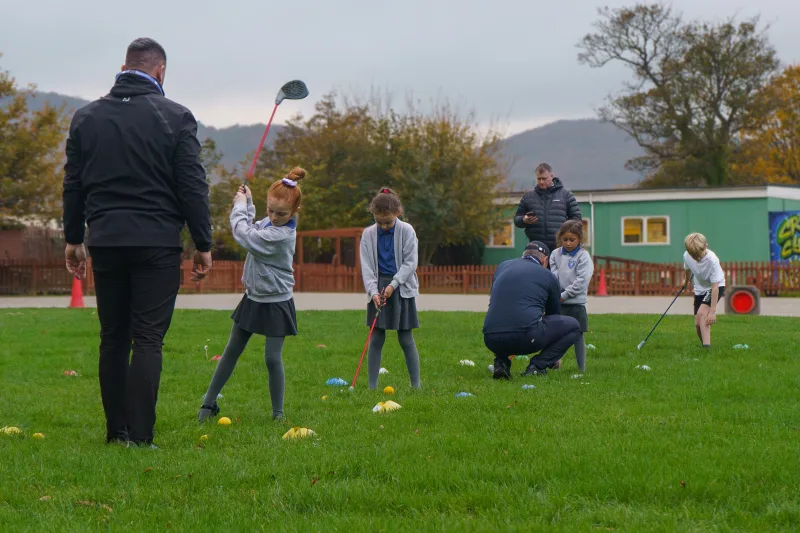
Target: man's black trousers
x: 553, y: 335
x: 136, y: 289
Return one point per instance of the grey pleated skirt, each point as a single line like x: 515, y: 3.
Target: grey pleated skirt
x: 578, y: 312
x: 398, y: 314
x: 274, y: 319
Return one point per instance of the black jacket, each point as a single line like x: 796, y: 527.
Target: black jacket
x: 522, y: 291
x: 133, y: 172
x: 552, y: 207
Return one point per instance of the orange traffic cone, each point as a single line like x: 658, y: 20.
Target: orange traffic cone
x: 601, y: 285
x: 77, y: 294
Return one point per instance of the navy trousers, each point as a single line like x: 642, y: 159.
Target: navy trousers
x: 552, y: 335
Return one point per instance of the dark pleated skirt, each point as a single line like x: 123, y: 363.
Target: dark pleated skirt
x: 398, y: 314
x: 578, y: 312
x: 274, y: 319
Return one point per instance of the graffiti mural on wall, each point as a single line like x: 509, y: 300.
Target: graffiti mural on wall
x: 784, y: 236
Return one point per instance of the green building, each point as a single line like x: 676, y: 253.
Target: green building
x: 759, y: 223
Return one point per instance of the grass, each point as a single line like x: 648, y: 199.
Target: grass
x: 702, y: 442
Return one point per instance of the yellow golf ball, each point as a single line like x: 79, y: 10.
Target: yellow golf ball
x: 388, y: 390
x: 324, y: 398
x: 224, y: 421
x: 38, y: 435
x: 203, y: 437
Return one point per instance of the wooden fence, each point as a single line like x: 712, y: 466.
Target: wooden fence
x: 622, y: 278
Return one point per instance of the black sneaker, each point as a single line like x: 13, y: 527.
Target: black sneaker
x: 502, y: 368
x: 207, y: 411
x: 533, y: 371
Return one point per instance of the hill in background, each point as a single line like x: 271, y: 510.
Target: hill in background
x: 585, y: 154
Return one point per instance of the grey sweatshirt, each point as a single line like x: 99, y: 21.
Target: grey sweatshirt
x: 268, y: 275
x: 405, y: 253
x: 574, y: 272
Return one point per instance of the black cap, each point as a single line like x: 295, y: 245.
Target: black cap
x: 539, y: 246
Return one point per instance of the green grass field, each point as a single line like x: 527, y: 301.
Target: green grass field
x: 702, y: 442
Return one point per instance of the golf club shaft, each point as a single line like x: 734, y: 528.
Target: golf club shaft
x: 665, y: 313
x: 261, y: 144
x: 366, y: 345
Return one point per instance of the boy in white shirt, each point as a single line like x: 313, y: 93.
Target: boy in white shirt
x: 709, y: 283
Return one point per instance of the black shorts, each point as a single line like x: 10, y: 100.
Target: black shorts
x: 705, y: 298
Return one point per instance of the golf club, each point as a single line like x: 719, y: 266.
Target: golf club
x: 292, y: 90
x: 366, y: 345
x: 639, y: 347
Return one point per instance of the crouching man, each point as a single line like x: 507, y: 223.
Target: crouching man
x: 524, y: 314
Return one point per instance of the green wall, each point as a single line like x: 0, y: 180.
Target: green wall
x: 736, y: 229
x: 779, y: 204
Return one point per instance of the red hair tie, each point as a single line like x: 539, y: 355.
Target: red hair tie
x: 385, y: 191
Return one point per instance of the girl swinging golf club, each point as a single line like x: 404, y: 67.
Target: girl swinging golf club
x: 267, y: 307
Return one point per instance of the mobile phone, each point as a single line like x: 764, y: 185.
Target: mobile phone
x: 530, y: 214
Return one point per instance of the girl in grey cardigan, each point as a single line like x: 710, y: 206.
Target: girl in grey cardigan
x: 267, y: 307
x: 389, y: 266
x: 573, y: 267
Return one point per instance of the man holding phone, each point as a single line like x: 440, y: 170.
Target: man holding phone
x: 544, y: 208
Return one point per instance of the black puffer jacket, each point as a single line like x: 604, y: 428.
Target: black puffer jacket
x: 552, y: 207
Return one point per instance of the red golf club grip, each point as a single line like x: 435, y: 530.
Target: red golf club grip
x: 261, y: 144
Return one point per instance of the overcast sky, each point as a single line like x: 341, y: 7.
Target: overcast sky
x: 512, y: 61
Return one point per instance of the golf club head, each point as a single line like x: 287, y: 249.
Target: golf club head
x: 292, y: 90
x: 639, y: 347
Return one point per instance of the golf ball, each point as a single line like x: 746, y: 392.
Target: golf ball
x: 388, y: 390
x: 224, y: 421
x: 38, y: 435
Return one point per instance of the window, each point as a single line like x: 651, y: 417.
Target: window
x: 502, y: 238
x: 645, y: 230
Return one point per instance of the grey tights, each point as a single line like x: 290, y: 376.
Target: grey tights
x: 234, y: 349
x: 406, y: 339
x: 580, y: 353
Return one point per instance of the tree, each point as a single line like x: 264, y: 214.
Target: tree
x: 771, y: 153
x: 31, y: 157
x: 445, y: 173
x: 694, y: 88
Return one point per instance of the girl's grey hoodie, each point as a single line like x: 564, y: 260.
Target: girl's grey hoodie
x: 574, y: 272
x: 268, y: 275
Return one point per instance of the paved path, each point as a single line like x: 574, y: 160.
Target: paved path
x: 427, y: 302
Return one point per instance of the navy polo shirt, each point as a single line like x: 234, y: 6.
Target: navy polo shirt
x: 387, y: 265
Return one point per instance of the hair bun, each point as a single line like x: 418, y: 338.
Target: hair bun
x: 296, y: 174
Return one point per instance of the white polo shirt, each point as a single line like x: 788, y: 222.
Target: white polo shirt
x: 706, y: 272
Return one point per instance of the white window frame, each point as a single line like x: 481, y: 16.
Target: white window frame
x: 587, y: 234
x: 503, y: 246
x: 644, y: 220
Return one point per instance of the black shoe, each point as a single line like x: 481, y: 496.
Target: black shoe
x: 502, y: 368
x: 207, y: 411
x: 533, y: 371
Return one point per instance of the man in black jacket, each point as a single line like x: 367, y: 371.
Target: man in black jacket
x: 133, y: 175
x: 544, y: 208
x: 524, y: 314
